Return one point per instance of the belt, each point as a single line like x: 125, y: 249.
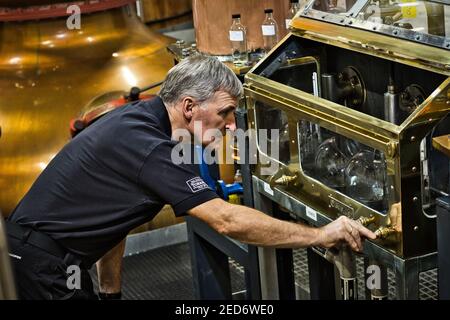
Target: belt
x: 35, y: 238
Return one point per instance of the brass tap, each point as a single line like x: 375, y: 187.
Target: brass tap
x: 384, y: 232
x: 285, y: 180
x: 365, y: 221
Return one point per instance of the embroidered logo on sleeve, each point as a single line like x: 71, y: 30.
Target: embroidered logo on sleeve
x: 197, y: 184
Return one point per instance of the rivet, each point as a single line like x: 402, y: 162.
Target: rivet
x: 415, y: 199
x: 414, y: 169
x: 413, y: 138
x: 416, y: 228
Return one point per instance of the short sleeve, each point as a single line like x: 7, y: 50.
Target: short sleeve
x: 176, y: 184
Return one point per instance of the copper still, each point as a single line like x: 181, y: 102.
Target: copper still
x: 49, y: 73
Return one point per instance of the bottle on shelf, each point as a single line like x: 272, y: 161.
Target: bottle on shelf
x: 194, y: 50
x: 293, y: 9
x: 269, y: 31
x: 238, y: 176
x: 238, y: 39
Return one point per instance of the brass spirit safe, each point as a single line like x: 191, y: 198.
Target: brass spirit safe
x: 357, y: 91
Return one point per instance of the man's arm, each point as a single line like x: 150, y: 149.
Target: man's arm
x: 254, y: 227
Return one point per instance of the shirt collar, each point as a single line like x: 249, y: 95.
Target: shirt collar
x: 156, y: 106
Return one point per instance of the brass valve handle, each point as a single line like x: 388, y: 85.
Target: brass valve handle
x: 384, y: 232
x: 284, y: 180
x: 365, y: 221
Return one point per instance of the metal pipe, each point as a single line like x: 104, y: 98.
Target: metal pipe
x: 391, y: 104
x: 330, y: 87
x: 345, y: 261
x: 7, y: 285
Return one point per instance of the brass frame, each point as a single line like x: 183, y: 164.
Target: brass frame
x: 400, y: 143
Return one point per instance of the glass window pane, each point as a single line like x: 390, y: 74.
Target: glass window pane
x: 343, y: 164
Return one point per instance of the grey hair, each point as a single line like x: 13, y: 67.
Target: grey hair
x: 199, y: 77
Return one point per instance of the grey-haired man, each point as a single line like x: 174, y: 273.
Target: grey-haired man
x: 118, y: 173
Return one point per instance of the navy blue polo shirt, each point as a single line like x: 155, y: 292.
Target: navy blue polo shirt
x: 112, y: 177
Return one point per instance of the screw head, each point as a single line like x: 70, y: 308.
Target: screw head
x: 416, y: 228
x: 414, y: 169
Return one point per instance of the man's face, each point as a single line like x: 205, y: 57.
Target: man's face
x: 212, y: 118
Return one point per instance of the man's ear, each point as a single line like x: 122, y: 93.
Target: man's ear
x: 187, y: 105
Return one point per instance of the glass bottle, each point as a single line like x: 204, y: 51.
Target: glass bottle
x: 194, y: 50
x: 293, y: 9
x: 269, y: 31
x: 238, y: 41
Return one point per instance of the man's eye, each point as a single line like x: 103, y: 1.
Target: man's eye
x: 224, y: 113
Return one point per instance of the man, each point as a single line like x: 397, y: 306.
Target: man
x: 118, y: 173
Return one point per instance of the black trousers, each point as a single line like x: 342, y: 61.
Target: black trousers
x: 41, y: 275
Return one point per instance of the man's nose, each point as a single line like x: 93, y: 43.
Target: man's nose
x: 231, y: 125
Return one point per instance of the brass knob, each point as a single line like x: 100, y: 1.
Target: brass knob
x: 284, y: 180
x: 384, y: 232
x: 365, y: 221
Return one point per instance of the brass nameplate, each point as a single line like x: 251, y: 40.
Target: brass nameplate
x: 343, y: 208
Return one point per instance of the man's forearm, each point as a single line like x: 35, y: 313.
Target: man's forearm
x: 251, y: 226
x: 254, y: 227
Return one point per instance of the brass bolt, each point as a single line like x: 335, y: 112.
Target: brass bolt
x: 384, y: 232
x: 365, y: 221
x: 285, y: 180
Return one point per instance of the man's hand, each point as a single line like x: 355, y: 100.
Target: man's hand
x: 344, y: 230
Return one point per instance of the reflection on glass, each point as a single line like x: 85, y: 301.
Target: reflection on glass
x: 309, y: 139
x: 333, y: 6
x: 343, y: 164
x: 330, y: 164
x: 417, y: 15
x: 422, y: 16
x: 365, y: 182
x: 268, y: 118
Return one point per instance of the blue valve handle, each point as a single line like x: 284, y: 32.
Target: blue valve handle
x: 225, y: 190
x: 222, y: 189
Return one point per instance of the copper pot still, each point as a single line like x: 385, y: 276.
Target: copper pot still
x: 48, y: 73
x: 29, y: 3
